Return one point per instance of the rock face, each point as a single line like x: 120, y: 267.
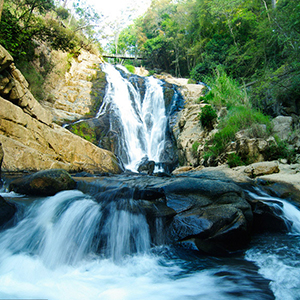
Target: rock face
x: 43, y: 183
x: 282, y: 126
x: 74, y: 97
x: 29, y: 138
x: 13, y: 87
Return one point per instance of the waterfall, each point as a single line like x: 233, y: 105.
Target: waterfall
x: 143, y: 121
x: 289, y: 211
x: 65, y: 229
x: 277, y: 256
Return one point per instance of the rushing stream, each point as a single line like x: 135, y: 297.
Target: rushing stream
x: 70, y: 246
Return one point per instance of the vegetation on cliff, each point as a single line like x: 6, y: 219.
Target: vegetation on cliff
x: 255, y: 41
x: 26, y: 24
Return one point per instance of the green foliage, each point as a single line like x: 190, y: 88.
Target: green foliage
x: 201, y: 70
x: 238, y: 118
x: 234, y: 160
x: 130, y: 68
x: 62, y: 12
x: 195, y: 148
x: 279, y: 86
x: 23, y: 23
x: 59, y: 37
x: 207, y: 116
x: 14, y: 37
x: 280, y: 150
x: 83, y: 130
x: 225, y: 91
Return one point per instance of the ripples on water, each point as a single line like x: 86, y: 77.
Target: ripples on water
x: 56, y: 252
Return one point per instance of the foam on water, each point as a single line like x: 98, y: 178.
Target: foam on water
x: 56, y: 252
x: 278, y: 258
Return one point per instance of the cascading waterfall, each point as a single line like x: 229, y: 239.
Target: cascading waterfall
x: 143, y: 121
x: 289, y: 211
x: 277, y: 256
x: 65, y: 229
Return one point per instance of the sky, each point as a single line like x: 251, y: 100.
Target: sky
x: 120, y: 13
x: 114, y: 8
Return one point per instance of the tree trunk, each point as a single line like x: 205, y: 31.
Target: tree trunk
x: 1, y: 7
x: 274, y: 4
x: 65, y: 3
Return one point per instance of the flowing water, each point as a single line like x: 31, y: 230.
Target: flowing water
x: 143, y: 121
x: 278, y: 256
x: 70, y: 246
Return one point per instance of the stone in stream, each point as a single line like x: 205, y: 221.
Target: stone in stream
x: 212, y: 214
x: 43, y: 183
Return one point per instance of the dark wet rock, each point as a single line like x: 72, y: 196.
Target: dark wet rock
x: 213, y: 214
x: 269, y: 218
x: 146, y: 166
x: 1, y: 159
x: 7, y: 211
x: 43, y: 183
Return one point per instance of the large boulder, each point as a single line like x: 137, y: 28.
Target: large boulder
x: 146, y: 166
x: 262, y: 168
x: 43, y: 183
x: 7, y: 211
x: 282, y: 127
x: 212, y: 214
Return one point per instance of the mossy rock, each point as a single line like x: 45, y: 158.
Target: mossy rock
x: 98, y: 91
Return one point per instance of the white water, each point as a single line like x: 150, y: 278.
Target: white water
x: 52, y: 254
x: 143, y: 120
x: 278, y: 257
x: 289, y: 211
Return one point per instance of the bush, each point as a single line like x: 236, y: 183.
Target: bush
x: 200, y: 71
x: 130, y: 68
x: 281, y: 150
x: 234, y: 160
x: 225, y: 91
x: 195, y: 148
x: 207, y: 116
x: 238, y: 118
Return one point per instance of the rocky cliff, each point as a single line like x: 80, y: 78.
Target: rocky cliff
x: 78, y: 93
x: 31, y: 141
